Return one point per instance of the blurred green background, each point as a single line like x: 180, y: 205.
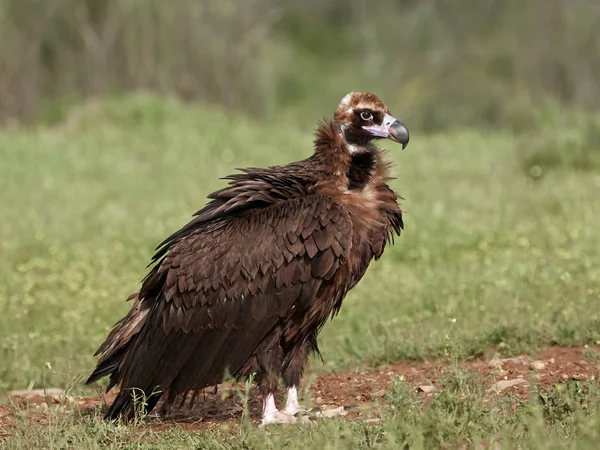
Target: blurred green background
x: 118, y: 116
x: 438, y: 63
x: 501, y: 98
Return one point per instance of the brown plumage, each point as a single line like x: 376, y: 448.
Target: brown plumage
x: 246, y: 286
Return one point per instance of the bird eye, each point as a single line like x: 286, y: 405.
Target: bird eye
x: 366, y: 115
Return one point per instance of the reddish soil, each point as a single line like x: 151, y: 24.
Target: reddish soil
x: 363, y: 390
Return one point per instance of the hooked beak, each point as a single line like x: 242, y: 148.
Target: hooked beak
x: 390, y: 128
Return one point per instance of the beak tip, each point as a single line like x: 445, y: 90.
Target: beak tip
x: 399, y: 133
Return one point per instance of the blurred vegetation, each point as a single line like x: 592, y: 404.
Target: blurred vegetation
x: 461, y: 416
x: 437, y: 63
x: 562, y: 140
x: 489, y: 258
x: 500, y: 248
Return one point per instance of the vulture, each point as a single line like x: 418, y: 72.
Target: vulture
x: 245, y: 287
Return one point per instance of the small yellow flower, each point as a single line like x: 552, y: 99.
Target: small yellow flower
x: 48, y: 366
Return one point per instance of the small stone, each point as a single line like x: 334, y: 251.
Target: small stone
x: 373, y: 421
x: 379, y: 393
x: 495, y: 362
x: 319, y: 400
x: 358, y: 398
x: 333, y: 411
x: 552, y: 360
x: 426, y: 388
x: 523, y: 359
x: 499, y: 362
x: 537, y: 365
x: 504, y: 384
x: 56, y: 395
x: 29, y: 393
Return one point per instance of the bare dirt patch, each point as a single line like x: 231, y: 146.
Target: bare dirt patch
x: 363, y: 390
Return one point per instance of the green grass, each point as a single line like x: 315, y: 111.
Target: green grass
x: 565, y: 417
x: 514, y: 259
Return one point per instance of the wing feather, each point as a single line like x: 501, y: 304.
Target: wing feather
x: 224, y: 289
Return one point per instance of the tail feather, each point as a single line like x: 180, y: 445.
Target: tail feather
x: 119, y: 340
x: 113, y: 352
x: 126, y: 401
x: 108, y: 367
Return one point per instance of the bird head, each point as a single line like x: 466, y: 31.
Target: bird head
x: 362, y: 117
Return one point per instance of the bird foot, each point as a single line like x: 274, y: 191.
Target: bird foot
x: 282, y: 417
x: 301, y: 415
x: 296, y: 410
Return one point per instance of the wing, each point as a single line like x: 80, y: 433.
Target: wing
x: 219, y: 291
x: 393, y: 216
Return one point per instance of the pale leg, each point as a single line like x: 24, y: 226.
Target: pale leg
x: 269, y: 407
x: 292, y: 407
x: 272, y: 415
x: 293, y: 412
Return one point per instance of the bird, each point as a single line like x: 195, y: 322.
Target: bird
x: 246, y: 286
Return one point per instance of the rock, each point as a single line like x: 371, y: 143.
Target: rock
x: 379, y: 393
x: 426, y: 389
x: 56, y: 395
x: 495, y: 362
x: 537, y: 365
x: 504, y: 384
x: 319, y: 400
x: 499, y: 362
x: 333, y: 411
x: 373, y: 421
x: 358, y: 398
x: 28, y: 393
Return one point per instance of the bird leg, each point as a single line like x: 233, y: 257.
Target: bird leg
x: 292, y: 407
x: 272, y: 415
x: 294, y: 412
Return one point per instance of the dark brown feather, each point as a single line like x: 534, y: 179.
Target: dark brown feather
x: 248, y: 283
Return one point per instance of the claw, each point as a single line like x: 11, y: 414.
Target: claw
x: 294, y: 412
x: 281, y: 417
